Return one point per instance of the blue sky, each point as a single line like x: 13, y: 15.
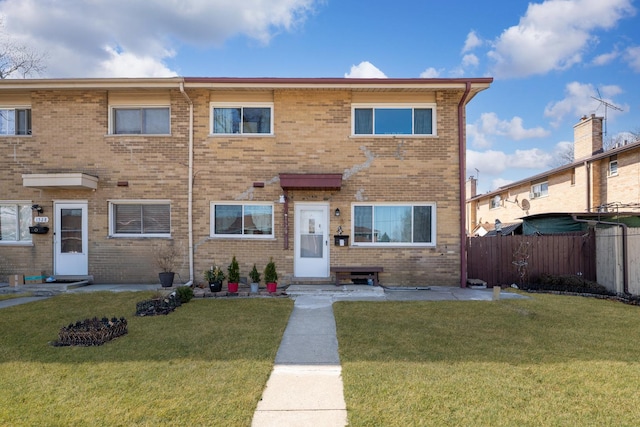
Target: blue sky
x: 548, y: 58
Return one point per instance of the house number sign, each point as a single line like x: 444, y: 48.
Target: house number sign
x: 41, y: 219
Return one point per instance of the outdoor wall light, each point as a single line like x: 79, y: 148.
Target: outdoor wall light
x: 337, y: 212
x: 281, y: 198
x: 37, y: 208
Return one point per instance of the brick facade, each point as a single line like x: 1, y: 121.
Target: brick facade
x: 311, y: 134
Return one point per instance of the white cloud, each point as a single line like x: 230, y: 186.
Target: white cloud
x: 430, y: 73
x: 471, y: 42
x: 74, y: 32
x: 492, y: 164
x: 470, y: 60
x: 490, y: 125
x: 605, y: 58
x: 365, y: 70
x: 553, y: 35
x: 579, y: 101
x: 632, y: 56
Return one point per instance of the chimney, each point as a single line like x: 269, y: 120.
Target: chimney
x: 471, y: 187
x: 587, y: 137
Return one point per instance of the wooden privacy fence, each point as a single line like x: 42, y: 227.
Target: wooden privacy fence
x: 504, y: 260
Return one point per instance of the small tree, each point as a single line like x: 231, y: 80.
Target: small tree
x: 270, y: 273
x: 255, y: 276
x: 234, y: 271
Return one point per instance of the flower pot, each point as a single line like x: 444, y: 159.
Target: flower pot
x: 166, y: 279
x: 254, y: 287
x: 215, y: 286
x: 272, y: 287
x: 233, y: 287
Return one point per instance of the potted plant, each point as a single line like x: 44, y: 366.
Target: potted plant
x: 271, y: 276
x: 255, y: 279
x: 166, y: 257
x: 234, y: 275
x: 214, y: 276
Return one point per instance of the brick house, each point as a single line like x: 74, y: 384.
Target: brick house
x: 596, y: 181
x: 251, y: 167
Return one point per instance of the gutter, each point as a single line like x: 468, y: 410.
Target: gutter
x: 190, y: 184
x: 462, y: 148
x: 625, y: 266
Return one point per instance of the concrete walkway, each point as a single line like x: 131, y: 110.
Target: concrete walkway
x: 305, y: 387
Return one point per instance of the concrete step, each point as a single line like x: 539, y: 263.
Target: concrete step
x: 336, y: 291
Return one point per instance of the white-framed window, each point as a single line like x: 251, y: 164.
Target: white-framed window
x: 613, y: 168
x: 495, y: 202
x: 139, y: 218
x: 241, y: 119
x: 15, y: 121
x: 394, y: 224
x: 135, y: 120
x: 393, y: 119
x: 15, y: 220
x: 541, y: 189
x: 242, y: 220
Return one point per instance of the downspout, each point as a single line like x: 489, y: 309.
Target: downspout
x: 625, y: 267
x: 587, y: 166
x: 190, y: 185
x: 462, y: 148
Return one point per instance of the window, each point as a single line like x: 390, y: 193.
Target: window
x: 247, y: 119
x: 613, y: 168
x: 495, y: 202
x: 539, y: 190
x: 241, y: 220
x: 394, y: 120
x: 394, y: 224
x: 15, y: 220
x: 15, y: 121
x: 136, y: 218
x: 145, y: 121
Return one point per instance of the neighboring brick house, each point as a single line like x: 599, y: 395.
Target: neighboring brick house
x: 597, y: 181
x: 256, y: 168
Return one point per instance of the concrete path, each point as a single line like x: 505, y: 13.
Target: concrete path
x: 305, y: 386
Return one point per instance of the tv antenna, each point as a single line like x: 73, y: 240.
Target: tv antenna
x: 606, y: 105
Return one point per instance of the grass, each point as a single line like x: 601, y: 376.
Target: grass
x: 546, y: 361
x: 205, y: 364
x: 12, y: 296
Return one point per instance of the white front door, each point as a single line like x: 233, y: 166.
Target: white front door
x: 71, y: 240
x: 311, y: 240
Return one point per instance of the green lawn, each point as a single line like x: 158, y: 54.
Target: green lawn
x: 205, y: 364
x: 546, y: 361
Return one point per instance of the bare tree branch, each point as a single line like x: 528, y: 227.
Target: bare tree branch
x: 17, y: 59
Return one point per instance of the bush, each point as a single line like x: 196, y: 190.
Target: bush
x: 569, y: 283
x: 184, y: 293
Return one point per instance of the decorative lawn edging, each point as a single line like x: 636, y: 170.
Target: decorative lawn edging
x: 157, y: 306
x: 91, y: 332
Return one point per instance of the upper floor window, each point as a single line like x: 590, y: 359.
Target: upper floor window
x: 613, y: 168
x: 540, y: 189
x: 141, y: 120
x: 394, y: 120
x: 141, y: 218
x: 495, y: 202
x: 247, y: 119
x: 15, y: 121
x: 394, y: 225
x: 241, y: 220
x: 15, y: 220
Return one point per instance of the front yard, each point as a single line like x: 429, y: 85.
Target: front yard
x: 204, y: 364
x: 546, y: 361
